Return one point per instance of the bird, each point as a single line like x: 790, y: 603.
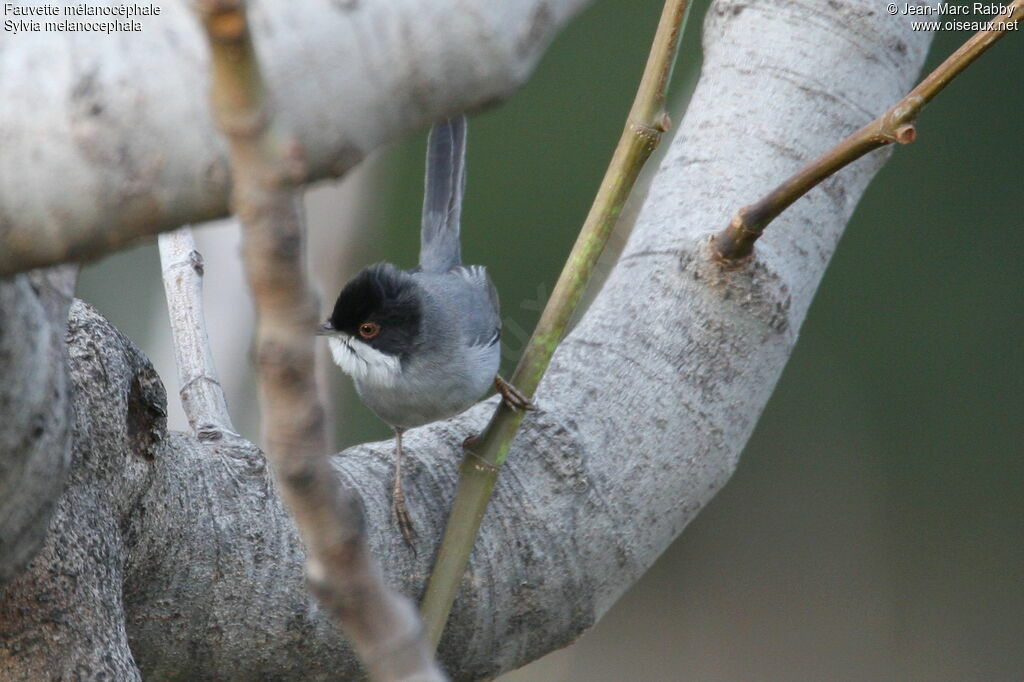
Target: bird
x: 423, y: 344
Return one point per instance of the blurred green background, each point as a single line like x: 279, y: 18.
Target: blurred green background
x: 874, y: 527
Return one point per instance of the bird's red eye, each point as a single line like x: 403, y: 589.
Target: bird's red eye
x: 368, y: 330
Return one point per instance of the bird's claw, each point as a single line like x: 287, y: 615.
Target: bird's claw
x: 404, y: 520
x: 511, y: 396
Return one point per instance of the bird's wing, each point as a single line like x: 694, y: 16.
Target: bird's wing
x: 442, y: 196
x: 482, y: 322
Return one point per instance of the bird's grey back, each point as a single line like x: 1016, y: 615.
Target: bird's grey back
x: 467, y: 293
x: 442, y: 197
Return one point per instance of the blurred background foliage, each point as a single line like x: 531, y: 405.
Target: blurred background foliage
x: 874, y: 527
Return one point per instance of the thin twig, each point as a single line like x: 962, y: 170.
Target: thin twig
x: 734, y: 245
x: 382, y: 626
x: 485, y: 455
x: 202, y: 397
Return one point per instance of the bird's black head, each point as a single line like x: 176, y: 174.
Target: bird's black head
x: 380, y: 307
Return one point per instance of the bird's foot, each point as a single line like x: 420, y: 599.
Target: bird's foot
x: 511, y: 396
x: 398, y: 496
x: 403, y: 519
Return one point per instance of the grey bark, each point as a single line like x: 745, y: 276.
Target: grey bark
x: 199, y: 387
x: 63, y: 617
x: 35, y: 438
x: 131, y: 138
x: 641, y: 418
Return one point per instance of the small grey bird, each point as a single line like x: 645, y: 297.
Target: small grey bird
x: 423, y: 344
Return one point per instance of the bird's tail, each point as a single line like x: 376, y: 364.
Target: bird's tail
x: 442, y: 199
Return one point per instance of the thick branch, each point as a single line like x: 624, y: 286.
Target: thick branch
x: 35, y: 438
x: 382, y: 626
x: 130, y: 136
x: 63, y: 617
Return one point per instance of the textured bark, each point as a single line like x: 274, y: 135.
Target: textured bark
x: 202, y: 396
x: 35, y: 440
x: 641, y: 418
x: 63, y: 617
x: 131, y: 138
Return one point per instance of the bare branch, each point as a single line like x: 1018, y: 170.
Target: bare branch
x: 382, y: 626
x: 129, y: 132
x: 734, y: 245
x: 202, y: 396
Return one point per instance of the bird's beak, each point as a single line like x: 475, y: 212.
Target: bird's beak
x: 325, y: 329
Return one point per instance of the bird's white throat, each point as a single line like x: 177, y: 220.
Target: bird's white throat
x: 363, y: 362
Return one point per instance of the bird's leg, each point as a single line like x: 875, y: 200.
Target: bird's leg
x: 398, y: 496
x: 511, y: 396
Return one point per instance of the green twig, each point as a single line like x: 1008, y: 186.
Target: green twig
x: 486, y: 453
x: 734, y: 245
